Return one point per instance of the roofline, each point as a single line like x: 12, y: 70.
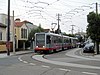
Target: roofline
x: 3, y: 25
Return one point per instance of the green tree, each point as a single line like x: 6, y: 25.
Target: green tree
x: 33, y: 31
x: 93, y: 28
x: 70, y: 35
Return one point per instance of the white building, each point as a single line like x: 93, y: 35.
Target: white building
x: 4, y: 21
x: 3, y: 30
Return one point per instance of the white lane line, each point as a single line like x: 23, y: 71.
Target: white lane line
x: 20, y: 59
x: 90, y: 73
x: 32, y: 64
x: 64, y: 69
x: 25, y: 62
x: 45, y: 66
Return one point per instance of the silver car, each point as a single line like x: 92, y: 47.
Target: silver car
x: 89, y: 48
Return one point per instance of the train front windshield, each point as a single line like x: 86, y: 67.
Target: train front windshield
x: 40, y: 40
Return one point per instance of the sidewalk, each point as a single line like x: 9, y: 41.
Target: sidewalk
x: 4, y: 55
x: 92, y: 55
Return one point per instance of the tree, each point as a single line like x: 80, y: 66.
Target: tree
x: 33, y: 31
x: 93, y: 28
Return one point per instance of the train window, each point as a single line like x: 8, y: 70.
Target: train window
x: 66, y: 41
x: 59, y: 40
x: 40, y: 39
x: 48, y: 39
x: 56, y: 39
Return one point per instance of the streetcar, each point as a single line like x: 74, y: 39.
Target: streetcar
x: 51, y: 42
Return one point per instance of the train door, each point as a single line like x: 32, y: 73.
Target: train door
x: 48, y: 41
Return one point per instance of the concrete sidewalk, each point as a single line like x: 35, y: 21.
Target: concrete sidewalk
x: 4, y: 55
x: 87, y: 56
x: 90, y: 55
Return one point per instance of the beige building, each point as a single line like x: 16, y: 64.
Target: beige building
x: 22, y: 30
x: 21, y: 33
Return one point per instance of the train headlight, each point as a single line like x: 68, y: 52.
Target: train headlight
x: 43, y: 46
x: 36, y: 46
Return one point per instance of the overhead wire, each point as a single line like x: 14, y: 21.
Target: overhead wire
x: 74, y: 1
x: 45, y: 9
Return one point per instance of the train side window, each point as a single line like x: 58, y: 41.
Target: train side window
x: 48, y: 39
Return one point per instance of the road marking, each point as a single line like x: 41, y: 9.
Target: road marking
x: 90, y: 73
x: 64, y: 69
x: 32, y: 64
x: 25, y: 62
x: 20, y: 59
x: 45, y: 66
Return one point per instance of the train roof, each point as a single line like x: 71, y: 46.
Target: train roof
x: 56, y: 35
x: 49, y: 34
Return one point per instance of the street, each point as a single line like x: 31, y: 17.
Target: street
x: 69, y: 62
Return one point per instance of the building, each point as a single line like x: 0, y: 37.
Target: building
x: 3, y: 31
x: 19, y: 32
x: 22, y: 30
x: 2, y: 37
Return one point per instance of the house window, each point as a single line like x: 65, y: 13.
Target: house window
x: 15, y: 31
x: 23, y: 33
x: 0, y: 35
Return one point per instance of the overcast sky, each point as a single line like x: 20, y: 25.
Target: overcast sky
x: 72, y: 12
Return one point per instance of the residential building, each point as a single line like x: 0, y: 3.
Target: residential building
x: 2, y: 37
x: 22, y: 30
x: 3, y: 31
x: 30, y: 25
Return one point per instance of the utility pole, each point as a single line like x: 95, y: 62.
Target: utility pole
x: 13, y: 34
x: 58, y: 30
x: 8, y: 30
x: 72, y: 30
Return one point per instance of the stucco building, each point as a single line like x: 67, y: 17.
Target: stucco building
x: 19, y: 31
x: 3, y: 30
x: 22, y: 30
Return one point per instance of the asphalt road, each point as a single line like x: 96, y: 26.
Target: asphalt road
x: 26, y: 65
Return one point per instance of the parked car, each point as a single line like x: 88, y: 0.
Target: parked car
x: 88, y: 48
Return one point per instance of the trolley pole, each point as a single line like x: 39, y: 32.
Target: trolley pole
x: 8, y: 30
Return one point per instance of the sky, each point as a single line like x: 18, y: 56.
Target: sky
x: 44, y: 12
